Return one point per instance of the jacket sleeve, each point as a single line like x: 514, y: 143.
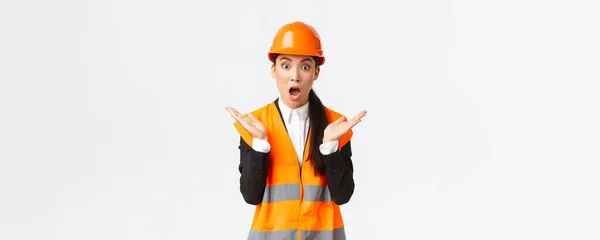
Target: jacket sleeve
x: 253, y: 169
x: 339, y: 172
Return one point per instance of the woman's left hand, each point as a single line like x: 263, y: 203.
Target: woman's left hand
x: 337, y: 129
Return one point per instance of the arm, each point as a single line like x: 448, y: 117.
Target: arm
x: 253, y: 169
x: 339, y: 171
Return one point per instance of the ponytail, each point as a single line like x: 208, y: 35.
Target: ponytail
x: 318, y: 123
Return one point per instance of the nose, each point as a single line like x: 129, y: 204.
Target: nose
x: 295, y: 76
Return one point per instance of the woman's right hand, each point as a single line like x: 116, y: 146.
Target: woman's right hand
x: 250, y: 123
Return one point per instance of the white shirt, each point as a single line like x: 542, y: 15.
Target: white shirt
x: 297, y: 124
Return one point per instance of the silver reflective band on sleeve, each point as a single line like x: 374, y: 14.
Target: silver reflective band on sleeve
x: 335, y: 234
x: 284, y: 192
x: 316, y: 193
x: 274, y: 235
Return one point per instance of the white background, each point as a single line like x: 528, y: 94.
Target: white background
x: 483, y: 116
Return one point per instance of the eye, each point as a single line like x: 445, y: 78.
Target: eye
x: 305, y: 67
x: 285, y: 66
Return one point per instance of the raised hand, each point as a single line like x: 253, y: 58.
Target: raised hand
x: 250, y: 123
x: 337, y: 129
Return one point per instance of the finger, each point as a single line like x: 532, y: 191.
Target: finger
x: 245, y: 122
x: 339, y: 120
x: 238, y: 116
x: 353, y: 123
x: 234, y: 113
x: 257, y: 124
x: 245, y: 119
x: 231, y: 110
x: 358, y: 116
x: 251, y: 117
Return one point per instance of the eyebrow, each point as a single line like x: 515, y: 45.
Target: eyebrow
x: 303, y: 60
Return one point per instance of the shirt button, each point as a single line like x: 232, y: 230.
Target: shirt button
x: 334, y: 170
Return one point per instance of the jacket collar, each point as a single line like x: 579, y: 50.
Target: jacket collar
x: 287, y: 113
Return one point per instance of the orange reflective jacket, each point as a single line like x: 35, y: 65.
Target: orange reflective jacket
x: 296, y: 202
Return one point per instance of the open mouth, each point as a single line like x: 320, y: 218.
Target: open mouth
x: 294, y: 93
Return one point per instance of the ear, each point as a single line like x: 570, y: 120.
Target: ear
x: 317, y: 70
x: 273, y: 70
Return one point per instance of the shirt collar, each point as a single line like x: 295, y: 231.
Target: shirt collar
x: 287, y: 113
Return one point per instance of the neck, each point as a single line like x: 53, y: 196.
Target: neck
x: 293, y: 106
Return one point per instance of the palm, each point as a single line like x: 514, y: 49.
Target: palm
x: 338, y: 128
x: 250, y: 123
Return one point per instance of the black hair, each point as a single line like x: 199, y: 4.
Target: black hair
x: 318, y: 123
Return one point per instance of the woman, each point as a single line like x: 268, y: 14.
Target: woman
x: 295, y: 153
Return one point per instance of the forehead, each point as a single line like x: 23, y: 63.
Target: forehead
x: 295, y: 58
